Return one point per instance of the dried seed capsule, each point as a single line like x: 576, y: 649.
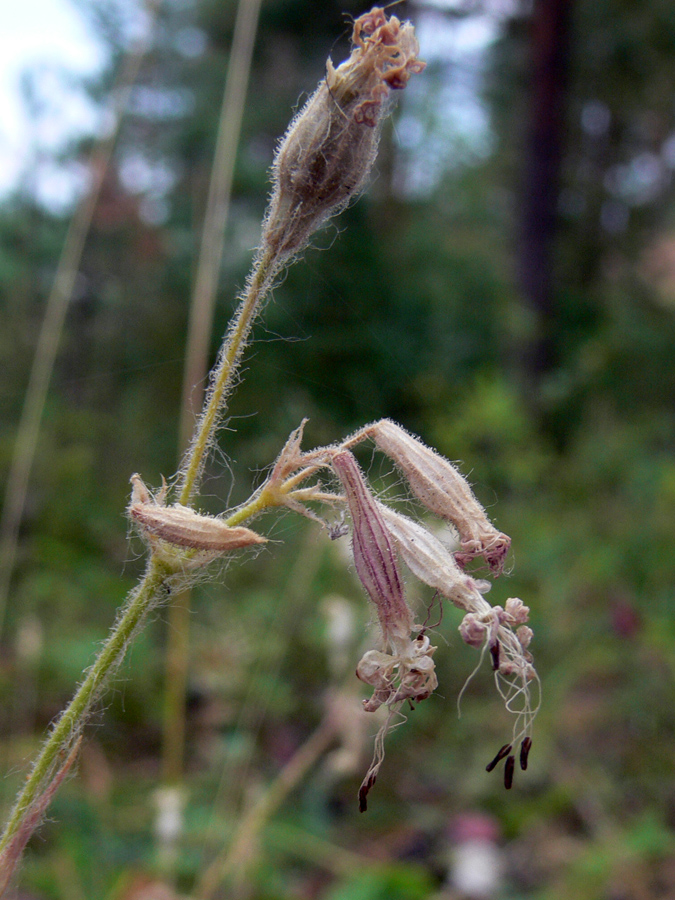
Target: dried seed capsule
x: 504, y: 751
x: 508, y: 772
x: 444, y: 491
x: 328, y: 151
x: 525, y: 752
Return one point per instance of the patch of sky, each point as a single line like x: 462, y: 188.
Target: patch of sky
x: 443, y: 122
x: 41, y: 111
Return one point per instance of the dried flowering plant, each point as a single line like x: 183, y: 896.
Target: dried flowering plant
x: 403, y: 669
x: 322, y: 163
x: 320, y: 166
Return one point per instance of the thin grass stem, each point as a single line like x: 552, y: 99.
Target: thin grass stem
x: 235, y: 859
x: 197, y: 351
x: 57, y: 305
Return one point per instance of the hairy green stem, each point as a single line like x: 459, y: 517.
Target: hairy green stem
x: 73, y: 717
x: 221, y: 380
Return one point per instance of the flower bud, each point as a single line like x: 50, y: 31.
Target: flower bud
x: 444, y: 491
x: 183, y: 527
x: 328, y: 151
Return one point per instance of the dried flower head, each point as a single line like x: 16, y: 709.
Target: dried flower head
x: 501, y: 632
x: 492, y: 628
x: 374, y: 555
x: 444, y: 491
x: 328, y: 151
x: 404, y: 669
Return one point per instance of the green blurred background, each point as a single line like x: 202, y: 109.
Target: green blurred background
x: 506, y: 290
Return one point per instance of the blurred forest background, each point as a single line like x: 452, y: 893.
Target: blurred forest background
x: 505, y: 289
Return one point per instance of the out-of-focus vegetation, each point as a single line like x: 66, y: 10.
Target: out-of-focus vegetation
x: 416, y: 307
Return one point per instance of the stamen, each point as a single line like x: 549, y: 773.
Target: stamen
x: 508, y: 772
x: 363, y: 792
x: 494, y: 653
x: 505, y: 750
x: 525, y: 752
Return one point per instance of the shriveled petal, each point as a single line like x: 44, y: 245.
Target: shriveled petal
x: 375, y: 667
x: 515, y: 612
x: 473, y: 630
x: 524, y: 635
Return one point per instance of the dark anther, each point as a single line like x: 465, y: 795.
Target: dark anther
x: 494, y: 653
x: 363, y: 793
x: 525, y: 752
x: 506, y: 749
x: 508, y: 772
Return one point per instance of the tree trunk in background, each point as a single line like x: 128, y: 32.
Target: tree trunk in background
x: 539, y: 201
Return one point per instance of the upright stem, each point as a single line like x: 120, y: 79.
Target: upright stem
x: 221, y: 381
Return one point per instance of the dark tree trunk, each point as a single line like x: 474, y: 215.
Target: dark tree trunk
x: 550, y: 40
